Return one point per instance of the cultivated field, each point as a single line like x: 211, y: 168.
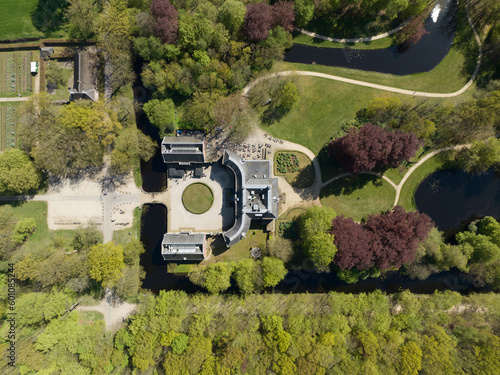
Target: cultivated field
x: 9, y: 121
x: 15, y: 72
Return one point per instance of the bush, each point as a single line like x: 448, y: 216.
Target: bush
x: 23, y: 229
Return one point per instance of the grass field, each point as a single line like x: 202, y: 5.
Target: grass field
x: 38, y: 211
x: 62, y: 92
x: 316, y: 42
x: 15, y: 72
x: 9, y: 122
x: 407, y: 196
x: 358, y: 196
x: 16, y: 21
x: 304, y: 176
x: 197, y: 198
x: 239, y: 251
x: 316, y: 116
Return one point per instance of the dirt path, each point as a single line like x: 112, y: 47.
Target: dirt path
x: 113, y: 309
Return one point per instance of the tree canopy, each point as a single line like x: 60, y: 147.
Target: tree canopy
x: 18, y: 174
x: 105, y: 263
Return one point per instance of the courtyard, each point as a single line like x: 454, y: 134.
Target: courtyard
x: 220, y: 214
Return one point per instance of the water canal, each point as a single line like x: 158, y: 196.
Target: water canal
x: 423, y: 56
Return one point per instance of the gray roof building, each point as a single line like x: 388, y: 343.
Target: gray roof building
x: 256, y: 194
x: 183, y: 150
x: 85, y: 77
x: 184, y: 246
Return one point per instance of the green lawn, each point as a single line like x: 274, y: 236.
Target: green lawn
x: 322, y: 108
x: 38, y: 211
x: 316, y: 42
x: 253, y: 238
x: 197, y: 198
x: 62, y: 92
x: 407, y: 196
x: 32, y: 19
x: 16, y: 21
x: 358, y: 196
x: 302, y: 178
x: 122, y: 236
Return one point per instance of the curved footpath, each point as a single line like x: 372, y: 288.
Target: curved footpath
x: 382, y: 87
x: 353, y: 40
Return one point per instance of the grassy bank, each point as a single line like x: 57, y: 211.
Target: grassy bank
x: 316, y: 42
x: 435, y: 163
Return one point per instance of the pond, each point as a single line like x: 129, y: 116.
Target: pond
x: 423, y: 56
x: 452, y: 197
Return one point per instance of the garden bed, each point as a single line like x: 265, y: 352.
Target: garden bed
x: 296, y: 167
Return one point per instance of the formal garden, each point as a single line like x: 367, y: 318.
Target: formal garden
x: 296, y: 167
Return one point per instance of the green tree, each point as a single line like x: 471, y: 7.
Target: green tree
x: 215, y: 277
x: 273, y: 271
x: 304, y: 11
x: 410, y: 362
x: 162, y: 114
x: 288, y: 97
x: 483, y: 249
x: 23, y: 229
x: 480, y: 157
x: 85, y: 237
x: 18, y: 174
x: 81, y: 15
x: 130, y: 146
x: 180, y: 343
x: 105, y: 263
x: 320, y: 248
x: 248, y: 276
x: 317, y: 219
x: 489, y: 227
x: 280, y: 248
x: 54, y: 74
x: 232, y: 15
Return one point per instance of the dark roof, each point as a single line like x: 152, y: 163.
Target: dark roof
x: 184, y: 238
x: 183, y: 150
x: 174, y: 172
x: 198, y: 172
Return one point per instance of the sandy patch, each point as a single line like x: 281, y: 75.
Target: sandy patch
x: 73, y: 214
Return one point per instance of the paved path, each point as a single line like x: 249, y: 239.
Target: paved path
x: 353, y: 40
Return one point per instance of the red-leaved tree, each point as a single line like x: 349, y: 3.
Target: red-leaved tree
x: 353, y: 243
x: 166, y: 24
x: 258, y: 21
x: 386, y: 241
x: 283, y: 14
x: 371, y: 147
x: 396, y: 235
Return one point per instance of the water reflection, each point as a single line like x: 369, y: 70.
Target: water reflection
x: 451, y: 198
x: 423, y: 56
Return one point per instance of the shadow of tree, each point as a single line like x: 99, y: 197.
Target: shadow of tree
x: 349, y: 184
x: 49, y: 15
x: 305, y: 178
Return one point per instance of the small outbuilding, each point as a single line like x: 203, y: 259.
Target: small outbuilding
x: 184, y: 246
x: 34, y: 67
